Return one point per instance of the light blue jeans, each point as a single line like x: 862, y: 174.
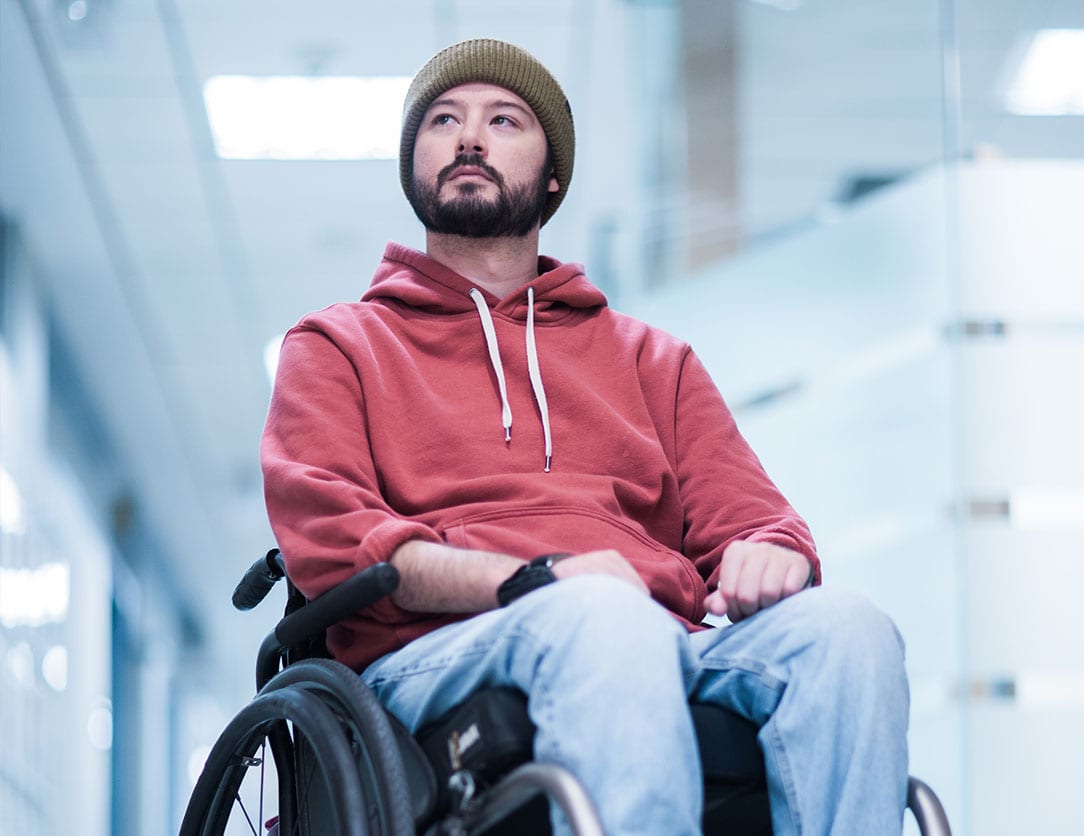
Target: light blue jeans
x: 609, y: 673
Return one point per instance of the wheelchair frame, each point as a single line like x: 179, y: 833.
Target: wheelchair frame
x: 322, y: 723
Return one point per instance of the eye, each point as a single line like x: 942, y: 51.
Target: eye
x: 503, y: 121
x: 443, y: 119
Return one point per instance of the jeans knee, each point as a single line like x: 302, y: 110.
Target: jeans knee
x: 602, y: 595
x: 852, y: 627
x: 608, y: 616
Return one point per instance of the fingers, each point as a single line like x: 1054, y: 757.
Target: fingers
x: 753, y: 576
x: 798, y: 577
x: 739, y: 580
x: 715, y: 603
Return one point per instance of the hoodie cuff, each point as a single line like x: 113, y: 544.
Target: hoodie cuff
x: 382, y: 541
x: 377, y: 547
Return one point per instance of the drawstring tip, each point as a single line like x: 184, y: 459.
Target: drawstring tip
x: 548, y: 464
x: 507, y: 433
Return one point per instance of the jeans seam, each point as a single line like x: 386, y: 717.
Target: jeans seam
x: 744, y: 665
x: 785, y: 773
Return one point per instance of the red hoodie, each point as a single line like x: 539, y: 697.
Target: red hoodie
x: 387, y: 424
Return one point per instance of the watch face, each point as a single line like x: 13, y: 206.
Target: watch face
x: 548, y: 560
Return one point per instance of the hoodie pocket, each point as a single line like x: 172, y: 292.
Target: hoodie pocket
x: 527, y: 532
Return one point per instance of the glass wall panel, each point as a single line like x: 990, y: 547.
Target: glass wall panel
x: 1021, y: 132
x: 890, y: 300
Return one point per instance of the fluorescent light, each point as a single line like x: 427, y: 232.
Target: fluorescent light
x: 305, y: 117
x: 20, y: 664
x: 12, y: 515
x: 100, y: 725
x: 33, y: 597
x: 271, y: 356
x: 1050, y: 81
x: 54, y: 667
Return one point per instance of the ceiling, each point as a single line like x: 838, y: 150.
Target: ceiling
x: 167, y: 270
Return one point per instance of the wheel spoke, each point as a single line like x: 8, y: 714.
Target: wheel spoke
x: 263, y: 761
x: 248, y: 818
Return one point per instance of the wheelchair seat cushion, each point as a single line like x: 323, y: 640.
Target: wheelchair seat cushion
x: 729, y: 750
x: 735, y: 785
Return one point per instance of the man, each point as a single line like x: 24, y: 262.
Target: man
x: 575, y: 552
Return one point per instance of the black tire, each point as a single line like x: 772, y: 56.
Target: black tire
x: 212, y: 800
x: 379, y: 765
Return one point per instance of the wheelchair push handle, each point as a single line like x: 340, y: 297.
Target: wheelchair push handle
x: 358, y: 593
x: 258, y: 580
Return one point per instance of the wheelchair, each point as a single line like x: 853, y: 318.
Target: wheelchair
x: 341, y: 764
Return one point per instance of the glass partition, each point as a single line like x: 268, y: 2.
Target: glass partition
x: 879, y: 261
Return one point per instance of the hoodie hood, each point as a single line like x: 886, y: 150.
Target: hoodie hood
x: 416, y: 280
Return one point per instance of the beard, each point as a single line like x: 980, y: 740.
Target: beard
x: 514, y: 212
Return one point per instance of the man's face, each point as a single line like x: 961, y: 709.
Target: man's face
x: 481, y: 164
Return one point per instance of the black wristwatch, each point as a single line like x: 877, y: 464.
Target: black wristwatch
x: 533, y: 574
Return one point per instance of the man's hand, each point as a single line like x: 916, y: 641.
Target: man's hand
x: 753, y: 576
x: 604, y: 562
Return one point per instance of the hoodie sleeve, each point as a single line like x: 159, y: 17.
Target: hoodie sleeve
x: 321, y: 487
x: 726, y: 494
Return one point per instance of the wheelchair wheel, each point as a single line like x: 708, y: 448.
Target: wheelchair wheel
x: 384, y: 784
x: 239, y: 752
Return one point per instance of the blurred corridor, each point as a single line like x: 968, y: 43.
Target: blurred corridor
x: 864, y: 216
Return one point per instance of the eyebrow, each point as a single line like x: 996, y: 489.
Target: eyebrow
x: 500, y: 104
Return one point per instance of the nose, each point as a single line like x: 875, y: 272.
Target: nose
x: 471, y: 145
x: 472, y: 138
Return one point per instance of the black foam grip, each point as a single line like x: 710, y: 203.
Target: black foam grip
x: 351, y: 596
x: 258, y: 580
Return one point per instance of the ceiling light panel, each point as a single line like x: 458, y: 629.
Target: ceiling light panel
x: 305, y: 117
x: 1050, y: 80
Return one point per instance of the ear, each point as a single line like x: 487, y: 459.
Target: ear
x: 554, y: 186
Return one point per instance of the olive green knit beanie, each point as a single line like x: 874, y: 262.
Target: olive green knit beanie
x: 507, y: 66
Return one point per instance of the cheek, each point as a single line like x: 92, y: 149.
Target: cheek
x: 425, y: 159
x: 525, y: 162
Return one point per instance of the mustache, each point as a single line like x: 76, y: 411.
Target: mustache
x: 472, y: 160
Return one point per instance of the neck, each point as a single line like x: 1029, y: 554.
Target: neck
x: 499, y: 265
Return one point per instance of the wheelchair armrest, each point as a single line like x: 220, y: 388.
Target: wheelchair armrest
x: 356, y: 594
x: 312, y: 620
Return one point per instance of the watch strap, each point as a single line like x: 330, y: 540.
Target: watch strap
x: 532, y: 575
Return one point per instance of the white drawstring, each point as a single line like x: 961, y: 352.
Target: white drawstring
x: 532, y: 369
x: 494, y: 358
x: 536, y: 378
